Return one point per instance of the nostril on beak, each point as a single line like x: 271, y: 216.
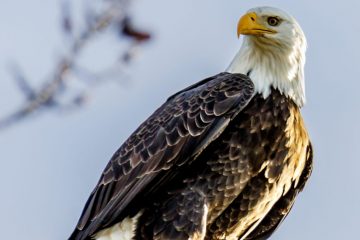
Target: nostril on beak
x: 253, y: 19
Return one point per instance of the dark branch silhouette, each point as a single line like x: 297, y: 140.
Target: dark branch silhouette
x: 111, y: 14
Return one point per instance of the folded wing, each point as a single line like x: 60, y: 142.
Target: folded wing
x: 175, y: 133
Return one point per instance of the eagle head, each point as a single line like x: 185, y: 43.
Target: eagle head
x: 272, y: 53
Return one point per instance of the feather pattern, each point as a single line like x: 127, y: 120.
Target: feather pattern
x: 177, y: 132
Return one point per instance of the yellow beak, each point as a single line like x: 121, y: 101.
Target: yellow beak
x: 249, y: 25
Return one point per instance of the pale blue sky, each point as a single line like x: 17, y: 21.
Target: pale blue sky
x: 50, y: 163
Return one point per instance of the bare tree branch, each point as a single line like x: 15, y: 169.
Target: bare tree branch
x: 110, y: 13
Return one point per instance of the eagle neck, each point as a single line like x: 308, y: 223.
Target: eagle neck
x: 270, y: 66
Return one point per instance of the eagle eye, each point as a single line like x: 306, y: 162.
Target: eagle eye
x: 273, y: 21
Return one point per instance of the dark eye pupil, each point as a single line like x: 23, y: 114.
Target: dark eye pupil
x: 273, y: 21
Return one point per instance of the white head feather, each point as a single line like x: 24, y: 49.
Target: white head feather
x: 274, y: 59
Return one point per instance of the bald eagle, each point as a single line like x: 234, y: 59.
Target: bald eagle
x: 224, y: 158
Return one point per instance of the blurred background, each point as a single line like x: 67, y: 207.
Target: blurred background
x: 77, y: 77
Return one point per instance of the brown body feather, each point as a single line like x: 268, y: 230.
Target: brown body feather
x: 269, y: 135
x: 215, y: 161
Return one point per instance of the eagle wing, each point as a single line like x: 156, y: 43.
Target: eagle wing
x: 175, y: 133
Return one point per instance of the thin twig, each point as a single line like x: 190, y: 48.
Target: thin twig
x: 112, y: 13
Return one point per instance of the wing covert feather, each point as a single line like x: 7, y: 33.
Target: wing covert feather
x: 175, y: 133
